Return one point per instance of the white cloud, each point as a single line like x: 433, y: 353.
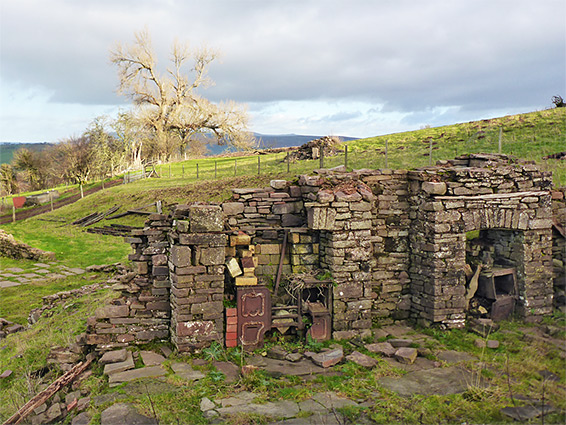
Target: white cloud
x: 428, y: 61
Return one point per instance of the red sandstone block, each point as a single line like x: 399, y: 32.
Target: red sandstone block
x: 231, y: 312
x: 231, y: 328
x: 230, y: 343
x: 232, y: 335
x: 231, y: 320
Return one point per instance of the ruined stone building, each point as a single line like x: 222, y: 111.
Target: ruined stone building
x: 394, y: 244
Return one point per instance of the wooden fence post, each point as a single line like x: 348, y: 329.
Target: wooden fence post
x: 500, y: 138
x: 197, y: 170
x: 321, y: 156
x: 386, y: 153
x: 346, y: 156
x: 288, y: 163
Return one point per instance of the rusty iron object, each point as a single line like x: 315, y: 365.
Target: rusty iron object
x: 500, y: 286
x: 281, y: 258
x: 320, y: 329
x: 254, y: 315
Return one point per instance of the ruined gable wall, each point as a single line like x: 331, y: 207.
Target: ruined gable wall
x: 480, y: 192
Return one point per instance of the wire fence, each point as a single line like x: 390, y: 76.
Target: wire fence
x: 389, y: 154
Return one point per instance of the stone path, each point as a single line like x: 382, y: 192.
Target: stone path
x: 15, y: 276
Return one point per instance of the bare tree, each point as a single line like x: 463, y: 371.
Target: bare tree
x: 110, y: 151
x: 75, y: 159
x: 131, y: 136
x: 168, y: 104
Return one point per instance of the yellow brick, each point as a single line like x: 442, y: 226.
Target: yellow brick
x: 270, y: 248
x: 246, y: 280
x: 295, y: 238
x: 244, y: 253
x: 241, y: 239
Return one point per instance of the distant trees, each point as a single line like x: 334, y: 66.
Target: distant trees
x: 8, y: 179
x: 32, y: 164
x: 168, y: 106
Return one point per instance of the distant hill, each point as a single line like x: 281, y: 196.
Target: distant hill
x: 7, y: 149
x: 266, y: 141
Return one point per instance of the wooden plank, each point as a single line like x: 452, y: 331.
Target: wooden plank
x: 43, y: 396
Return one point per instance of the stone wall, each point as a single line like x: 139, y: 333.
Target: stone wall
x: 11, y: 248
x: 393, y: 241
x: 559, y: 246
x: 477, y: 192
x: 142, y: 312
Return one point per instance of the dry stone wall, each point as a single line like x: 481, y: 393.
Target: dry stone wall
x: 394, y: 243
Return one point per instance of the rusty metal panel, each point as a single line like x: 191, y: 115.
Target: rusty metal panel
x: 254, y: 315
x: 502, y: 308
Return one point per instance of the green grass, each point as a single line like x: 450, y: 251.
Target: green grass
x: 18, y: 301
x: 25, y: 353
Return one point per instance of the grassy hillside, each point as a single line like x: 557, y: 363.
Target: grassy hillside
x: 529, y: 136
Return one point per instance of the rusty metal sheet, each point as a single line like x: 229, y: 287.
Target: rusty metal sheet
x: 254, y: 315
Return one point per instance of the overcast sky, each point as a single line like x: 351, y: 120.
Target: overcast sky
x: 344, y: 67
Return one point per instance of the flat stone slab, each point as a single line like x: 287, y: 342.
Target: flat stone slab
x: 451, y: 356
x: 82, y: 418
x: 185, y: 371
x: 280, y: 409
x: 315, y: 419
x: 76, y: 270
x: 15, y: 270
x: 124, y: 414
x: 383, y: 348
x: 406, y: 355
x: 55, y: 276
x: 114, y: 356
x: 150, y: 358
x: 230, y: 371
x: 8, y: 284
x: 130, y: 375
x: 441, y: 381
x: 327, y: 358
x: 362, y: 359
x: 397, y: 330
x: 525, y: 413
x: 114, y: 368
x: 323, y: 402
x: 282, y: 367
x: 400, y: 342
x: 421, y: 363
x: 241, y: 399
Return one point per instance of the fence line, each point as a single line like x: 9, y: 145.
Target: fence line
x: 375, y: 158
